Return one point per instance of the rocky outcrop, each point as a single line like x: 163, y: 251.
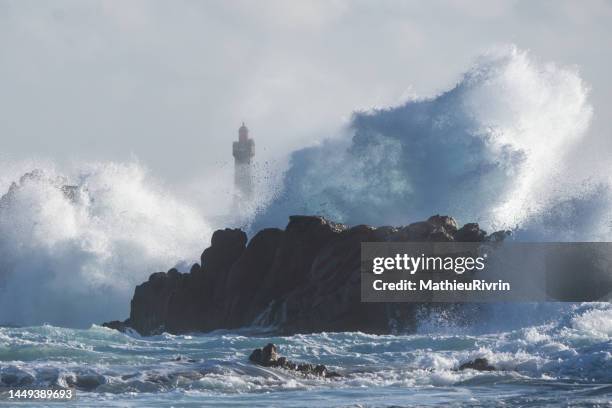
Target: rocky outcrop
x: 116, y: 325
x: 479, y: 364
x: 268, y: 357
x: 305, y: 278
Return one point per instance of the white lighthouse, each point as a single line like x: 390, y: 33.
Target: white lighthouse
x: 243, y: 151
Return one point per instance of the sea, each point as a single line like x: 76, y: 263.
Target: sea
x: 549, y: 355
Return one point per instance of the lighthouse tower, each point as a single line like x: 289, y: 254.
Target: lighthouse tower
x: 243, y: 151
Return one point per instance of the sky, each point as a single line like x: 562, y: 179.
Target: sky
x: 169, y: 82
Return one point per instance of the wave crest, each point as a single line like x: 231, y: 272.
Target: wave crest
x: 493, y: 149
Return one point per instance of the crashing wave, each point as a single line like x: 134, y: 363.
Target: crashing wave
x: 72, y: 248
x: 495, y: 149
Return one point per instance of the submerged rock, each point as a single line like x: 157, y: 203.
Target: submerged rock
x: 303, y: 279
x: 184, y: 359
x: 268, y: 357
x: 479, y: 364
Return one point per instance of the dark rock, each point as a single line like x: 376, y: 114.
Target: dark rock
x: 256, y: 357
x: 248, y: 276
x: 269, y: 354
x: 479, y: 364
x: 439, y: 228
x: 470, y: 233
x: 418, y: 231
x: 444, y: 221
x: 185, y: 359
x: 305, y: 278
x: 440, y: 235
x: 268, y: 357
x: 149, y: 306
x: 117, y: 325
x: 225, y: 247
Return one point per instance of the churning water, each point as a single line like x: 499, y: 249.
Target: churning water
x: 564, y: 359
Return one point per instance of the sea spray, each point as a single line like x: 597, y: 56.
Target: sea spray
x: 73, y: 247
x: 496, y: 149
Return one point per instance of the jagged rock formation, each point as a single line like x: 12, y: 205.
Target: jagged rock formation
x: 305, y: 278
x: 268, y: 357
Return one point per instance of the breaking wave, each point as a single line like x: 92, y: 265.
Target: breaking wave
x: 497, y: 149
x: 72, y: 248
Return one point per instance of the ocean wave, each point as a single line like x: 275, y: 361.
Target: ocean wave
x: 74, y: 246
x: 567, y: 350
x: 498, y: 149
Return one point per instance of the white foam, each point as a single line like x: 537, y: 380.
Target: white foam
x: 597, y: 322
x: 73, y: 257
x: 506, y: 134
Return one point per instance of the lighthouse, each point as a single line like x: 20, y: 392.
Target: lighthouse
x: 243, y: 151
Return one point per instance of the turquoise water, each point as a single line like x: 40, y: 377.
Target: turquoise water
x: 564, y: 358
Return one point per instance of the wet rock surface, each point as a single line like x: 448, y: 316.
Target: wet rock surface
x: 116, y: 325
x: 269, y: 357
x: 303, y: 279
x: 479, y: 364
